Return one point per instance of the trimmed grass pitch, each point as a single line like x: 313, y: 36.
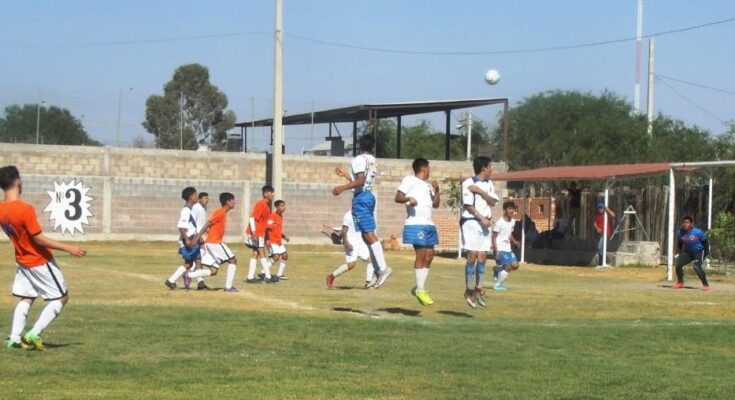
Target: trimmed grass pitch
x: 559, y: 332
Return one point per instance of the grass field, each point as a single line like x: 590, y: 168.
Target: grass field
x: 560, y: 332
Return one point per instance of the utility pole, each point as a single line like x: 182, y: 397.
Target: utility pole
x: 181, y: 120
x: 277, y: 160
x: 38, y: 119
x: 469, y: 135
x: 119, y: 111
x: 651, y: 77
x: 639, y: 33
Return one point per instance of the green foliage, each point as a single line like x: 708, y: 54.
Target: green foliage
x: 205, y: 119
x: 453, y: 195
x: 57, y: 126
x: 674, y: 141
x: 722, y: 236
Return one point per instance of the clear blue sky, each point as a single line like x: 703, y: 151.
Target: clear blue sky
x: 68, y: 50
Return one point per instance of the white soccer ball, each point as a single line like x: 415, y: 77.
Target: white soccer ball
x: 492, y: 76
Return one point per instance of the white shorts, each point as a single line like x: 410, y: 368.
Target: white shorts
x: 277, y: 249
x: 45, y: 280
x: 359, y: 251
x: 215, y: 254
x: 475, y: 236
x: 260, y: 244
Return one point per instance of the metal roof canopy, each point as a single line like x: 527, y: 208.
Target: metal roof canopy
x: 374, y: 112
x: 616, y: 172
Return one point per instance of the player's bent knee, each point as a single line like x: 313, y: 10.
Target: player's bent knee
x: 213, y: 271
x: 64, y: 299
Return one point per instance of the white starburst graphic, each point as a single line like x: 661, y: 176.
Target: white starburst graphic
x: 70, y: 206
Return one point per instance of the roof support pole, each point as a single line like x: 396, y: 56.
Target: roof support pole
x: 447, y: 138
x: 670, y: 233
x: 506, y: 117
x: 523, y: 223
x: 354, y: 138
x: 709, y: 207
x: 244, y: 135
x: 605, y: 222
x: 398, y: 137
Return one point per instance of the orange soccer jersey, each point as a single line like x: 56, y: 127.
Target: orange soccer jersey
x: 275, y: 228
x: 261, y: 211
x: 217, y: 226
x: 19, y: 222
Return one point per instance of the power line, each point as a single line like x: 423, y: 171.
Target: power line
x: 165, y: 40
x: 516, y: 51
x: 695, y: 84
x: 692, y: 102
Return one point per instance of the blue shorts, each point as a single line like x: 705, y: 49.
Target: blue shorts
x: 420, y: 235
x: 190, y: 254
x: 363, y: 212
x: 506, y: 258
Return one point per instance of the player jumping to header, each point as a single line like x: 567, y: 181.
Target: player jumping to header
x: 36, y: 271
x: 503, y: 241
x: 255, y: 236
x: 478, y: 198
x: 216, y: 252
x: 420, y: 199
x: 276, y: 238
x: 188, y: 244
x: 363, y: 171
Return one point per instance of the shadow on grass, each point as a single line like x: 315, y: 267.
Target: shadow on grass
x: 456, y: 314
x: 60, y: 345
x: 447, y: 254
x: 345, y: 287
x: 685, y: 287
x: 402, y: 311
x: 354, y: 311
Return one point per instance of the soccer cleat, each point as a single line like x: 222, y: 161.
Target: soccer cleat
x: 383, y: 277
x: 678, y: 285
x: 705, y: 288
x: 253, y: 281
x: 469, y: 297
x: 202, y: 286
x: 33, y: 340
x: 170, y: 285
x: 500, y: 287
x: 282, y: 277
x: 480, y: 297
x: 261, y: 276
x: 371, y: 283
x: 12, y: 344
x: 272, y: 279
x: 423, y: 297
x: 232, y: 290
x: 330, y: 281
x: 187, y: 280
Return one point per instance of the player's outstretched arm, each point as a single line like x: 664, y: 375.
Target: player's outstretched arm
x: 359, y: 181
x: 342, y: 171
x: 43, y: 240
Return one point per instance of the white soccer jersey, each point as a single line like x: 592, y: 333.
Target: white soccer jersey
x: 504, y: 228
x: 353, y: 236
x: 200, y: 216
x: 186, y: 221
x: 422, y: 191
x: 471, y: 199
x: 364, y: 163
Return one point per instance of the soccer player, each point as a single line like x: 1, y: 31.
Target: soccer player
x: 693, y: 246
x: 255, y: 239
x: 216, y: 251
x: 503, y: 241
x: 420, y: 199
x: 199, y: 212
x: 188, y: 244
x: 36, y: 271
x: 478, y: 198
x: 363, y: 172
x: 276, y: 238
x: 355, y: 248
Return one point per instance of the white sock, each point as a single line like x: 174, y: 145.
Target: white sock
x: 502, y: 275
x: 340, y: 270
x: 376, y: 250
x: 231, y: 268
x: 19, y: 320
x: 251, y: 268
x: 200, y: 279
x: 177, y: 274
x: 192, y: 268
x: 48, y: 314
x: 200, y: 273
x: 369, y: 272
x: 281, y: 268
x: 266, y: 264
x: 421, y: 275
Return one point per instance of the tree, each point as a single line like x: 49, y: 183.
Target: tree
x: 205, y: 120
x: 57, y: 126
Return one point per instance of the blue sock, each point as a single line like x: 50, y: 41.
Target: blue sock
x: 480, y: 274
x: 469, y: 272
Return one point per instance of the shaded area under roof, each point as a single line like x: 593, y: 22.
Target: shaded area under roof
x: 362, y: 112
x: 589, y: 172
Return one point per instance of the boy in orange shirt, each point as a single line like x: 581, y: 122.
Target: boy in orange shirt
x: 276, y: 238
x: 216, y: 251
x: 255, y: 236
x: 36, y: 270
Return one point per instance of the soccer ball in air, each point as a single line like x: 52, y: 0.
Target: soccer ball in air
x: 492, y: 76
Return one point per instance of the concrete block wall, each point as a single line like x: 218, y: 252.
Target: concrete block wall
x: 137, y: 191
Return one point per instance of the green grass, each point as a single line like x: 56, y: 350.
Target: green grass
x: 558, y: 333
